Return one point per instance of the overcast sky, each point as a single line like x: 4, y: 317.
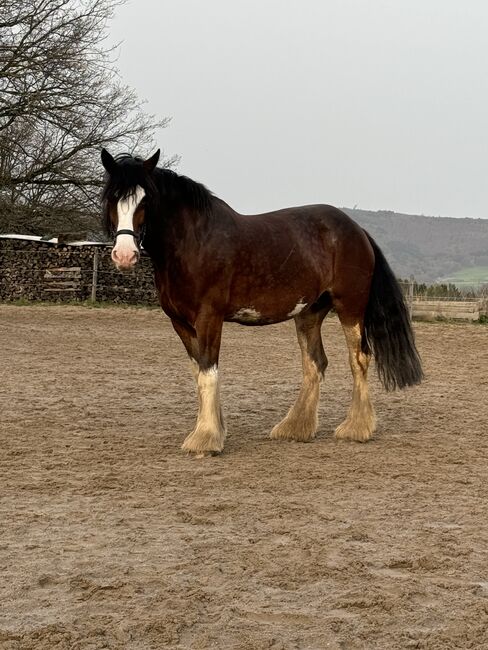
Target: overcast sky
x: 381, y: 104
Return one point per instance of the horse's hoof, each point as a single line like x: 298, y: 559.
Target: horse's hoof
x: 295, y: 432
x: 202, y: 446
x: 347, y: 431
x: 207, y: 454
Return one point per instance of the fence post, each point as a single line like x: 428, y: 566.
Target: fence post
x: 96, y: 256
x: 410, y: 296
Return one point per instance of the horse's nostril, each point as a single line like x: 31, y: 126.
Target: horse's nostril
x: 124, y: 258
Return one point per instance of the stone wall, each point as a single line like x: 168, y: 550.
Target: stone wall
x: 36, y: 270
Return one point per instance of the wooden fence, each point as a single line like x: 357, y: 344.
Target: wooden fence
x: 450, y: 308
x: 434, y: 309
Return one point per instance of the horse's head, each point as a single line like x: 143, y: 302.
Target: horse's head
x: 129, y: 185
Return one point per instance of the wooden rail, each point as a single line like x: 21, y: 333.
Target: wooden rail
x: 451, y: 309
x: 62, y: 279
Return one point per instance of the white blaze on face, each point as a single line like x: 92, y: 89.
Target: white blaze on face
x: 125, y: 252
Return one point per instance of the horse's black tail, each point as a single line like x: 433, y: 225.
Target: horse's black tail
x: 387, y: 329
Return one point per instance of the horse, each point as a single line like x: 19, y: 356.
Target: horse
x: 213, y: 265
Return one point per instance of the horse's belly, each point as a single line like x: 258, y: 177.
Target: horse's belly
x: 266, y: 315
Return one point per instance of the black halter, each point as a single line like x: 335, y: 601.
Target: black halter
x: 138, y: 237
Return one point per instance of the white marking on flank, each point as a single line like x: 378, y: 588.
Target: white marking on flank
x: 247, y: 314
x: 300, y: 306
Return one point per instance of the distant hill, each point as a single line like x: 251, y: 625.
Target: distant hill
x: 430, y: 248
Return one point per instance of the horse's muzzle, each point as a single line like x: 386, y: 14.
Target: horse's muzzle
x: 125, y: 259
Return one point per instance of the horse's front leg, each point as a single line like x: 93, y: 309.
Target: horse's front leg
x: 207, y: 438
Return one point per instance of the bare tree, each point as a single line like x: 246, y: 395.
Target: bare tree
x: 61, y: 100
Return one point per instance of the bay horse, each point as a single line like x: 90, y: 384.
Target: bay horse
x: 213, y: 265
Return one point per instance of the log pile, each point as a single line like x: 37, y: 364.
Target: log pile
x: 36, y: 270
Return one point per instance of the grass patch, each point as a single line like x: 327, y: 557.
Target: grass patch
x: 470, y: 276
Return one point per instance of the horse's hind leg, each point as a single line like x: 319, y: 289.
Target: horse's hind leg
x: 301, y: 421
x: 360, y: 421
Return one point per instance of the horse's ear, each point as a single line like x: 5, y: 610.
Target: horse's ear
x: 151, y: 162
x: 108, y: 161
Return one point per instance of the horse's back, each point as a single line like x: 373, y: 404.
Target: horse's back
x: 314, y: 212
x: 306, y: 221
x: 293, y: 256
x: 323, y: 234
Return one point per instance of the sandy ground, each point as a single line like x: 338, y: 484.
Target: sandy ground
x: 110, y: 537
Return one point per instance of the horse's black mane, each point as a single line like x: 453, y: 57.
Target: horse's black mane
x: 163, y: 186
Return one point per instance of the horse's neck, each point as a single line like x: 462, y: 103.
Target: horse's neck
x: 188, y: 225
x: 182, y: 230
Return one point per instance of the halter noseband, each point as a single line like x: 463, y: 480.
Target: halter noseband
x: 137, y: 237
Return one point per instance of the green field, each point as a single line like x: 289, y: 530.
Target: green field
x: 469, y: 277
